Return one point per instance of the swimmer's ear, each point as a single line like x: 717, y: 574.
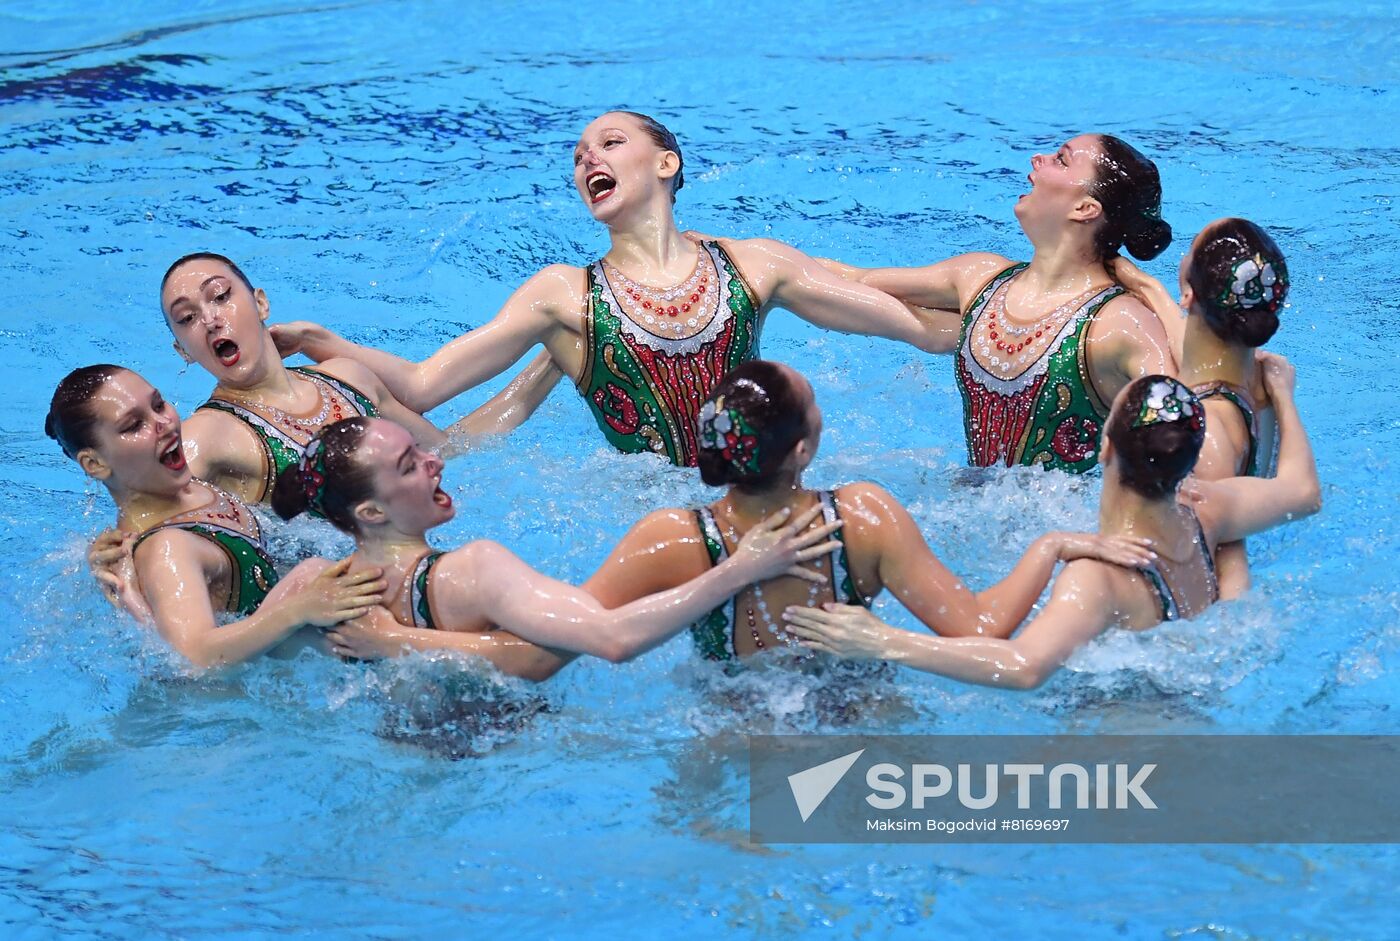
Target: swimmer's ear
x: 801, y: 455
x: 1105, y: 451
x: 669, y: 165
x: 370, y: 513
x: 180, y: 351
x: 93, y: 465
x: 1088, y: 209
x: 1188, y: 297
x: 264, y: 308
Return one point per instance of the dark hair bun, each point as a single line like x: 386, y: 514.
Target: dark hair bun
x: 1129, y: 189
x: 289, y: 493
x: 1240, y: 281
x: 1157, y: 431
x: 1149, y: 240
x: 749, y: 425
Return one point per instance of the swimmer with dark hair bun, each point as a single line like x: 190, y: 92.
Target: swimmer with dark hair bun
x: 757, y: 434
x: 195, y: 550
x: 373, y: 482
x: 1042, y: 347
x: 1154, y: 435
x: 1233, y: 283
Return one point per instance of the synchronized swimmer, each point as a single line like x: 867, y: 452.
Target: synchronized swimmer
x: 1070, y: 361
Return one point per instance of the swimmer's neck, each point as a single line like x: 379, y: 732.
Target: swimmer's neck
x: 648, y: 247
x: 388, y: 548
x: 138, y: 511
x: 1206, y: 357
x: 270, y: 382
x: 746, y: 508
x: 1063, y: 264
x: 1125, y: 512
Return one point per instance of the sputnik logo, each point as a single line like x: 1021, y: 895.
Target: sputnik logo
x: 811, y: 787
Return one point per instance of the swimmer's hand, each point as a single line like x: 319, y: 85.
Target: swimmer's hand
x: 111, y: 560
x: 337, y: 595
x: 372, y: 636
x: 699, y: 236
x: 1280, y: 378
x: 1132, y: 552
x: 302, y: 336
x: 771, y: 548
x: 842, y: 630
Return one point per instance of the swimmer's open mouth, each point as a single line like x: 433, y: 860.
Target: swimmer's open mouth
x: 600, y: 186
x: 227, y: 351
x: 441, y: 498
x: 173, y: 457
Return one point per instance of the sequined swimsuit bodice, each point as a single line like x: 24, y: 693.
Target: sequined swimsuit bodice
x: 284, y: 437
x: 1027, y: 395
x: 652, y: 357
x: 231, y: 526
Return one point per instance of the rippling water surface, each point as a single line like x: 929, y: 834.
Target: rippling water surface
x: 395, y: 169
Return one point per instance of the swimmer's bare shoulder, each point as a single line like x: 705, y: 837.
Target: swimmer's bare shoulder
x: 662, y: 550
x: 223, y: 450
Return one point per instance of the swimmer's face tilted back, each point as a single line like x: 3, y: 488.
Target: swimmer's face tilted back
x: 407, y: 494
x: 136, y: 437
x: 217, y: 320
x: 618, y: 167
x: 1060, y: 183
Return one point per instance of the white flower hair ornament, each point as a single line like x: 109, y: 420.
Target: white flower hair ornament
x: 1255, y: 282
x: 1168, y: 401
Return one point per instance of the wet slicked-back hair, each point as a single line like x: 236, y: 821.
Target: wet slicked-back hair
x: 210, y: 256
x: 770, y: 404
x: 1155, y: 457
x: 662, y: 137
x: 1238, y: 309
x: 1130, y: 190
x: 70, y: 420
x: 345, y: 482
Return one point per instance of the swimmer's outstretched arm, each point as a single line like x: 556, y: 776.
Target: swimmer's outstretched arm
x: 1237, y: 507
x: 1078, y: 611
x: 508, y: 409
x: 790, y: 279
x: 377, y: 635
x: 487, y: 581
x: 174, y: 581
x: 527, y: 318
x: 938, y: 598
x: 946, y: 286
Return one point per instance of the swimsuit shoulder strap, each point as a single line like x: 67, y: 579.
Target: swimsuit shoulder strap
x: 714, y: 633
x: 1206, y: 556
x: 842, y: 583
x: 1165, y: 597
x: 724, y: 260
x: 1242, y: 400
x: 419, y: 580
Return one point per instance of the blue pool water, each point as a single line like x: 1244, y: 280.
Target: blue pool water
x: 395, y: 169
